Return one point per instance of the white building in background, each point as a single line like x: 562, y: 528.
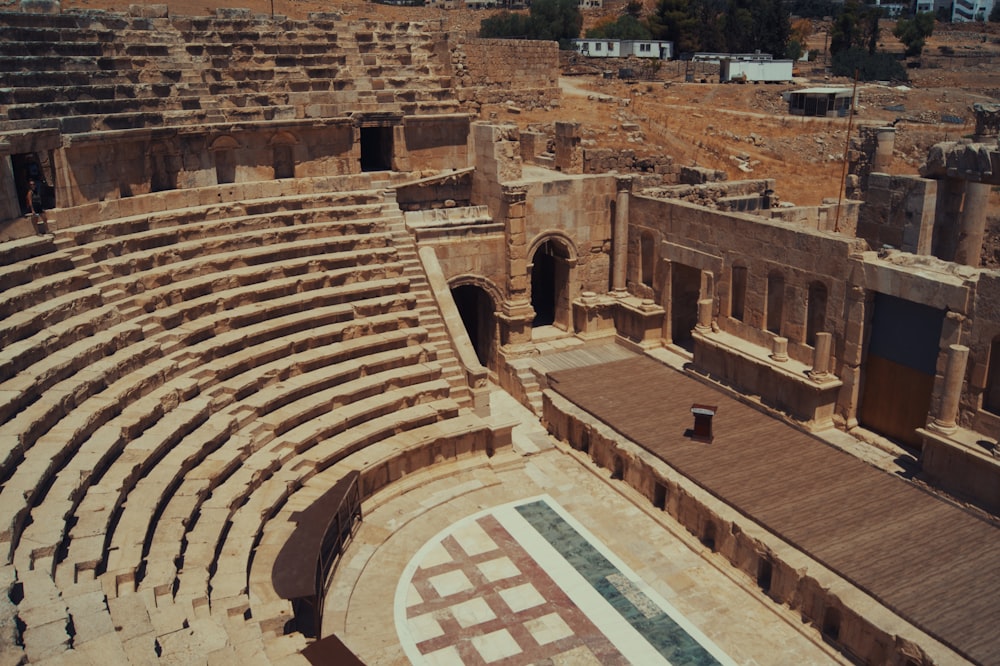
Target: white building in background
x: 623, y: 48
x: 754, y: 71
x: 971, y: 10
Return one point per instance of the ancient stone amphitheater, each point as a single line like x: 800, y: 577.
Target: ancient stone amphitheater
x: 284, y: 266
x: 183, y: 369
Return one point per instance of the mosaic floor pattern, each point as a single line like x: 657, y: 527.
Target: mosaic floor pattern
x: 525, y: 583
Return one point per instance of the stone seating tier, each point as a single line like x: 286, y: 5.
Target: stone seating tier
x: 49, y: 431
x: 179, y: 62
x: 36, y: 306
x: 116, y: 476
x: 169, y: 379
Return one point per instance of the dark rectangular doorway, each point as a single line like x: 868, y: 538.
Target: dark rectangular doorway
x: 376, y: 148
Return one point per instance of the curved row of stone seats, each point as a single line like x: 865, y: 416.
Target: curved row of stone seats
x: 88, y: 243
x: 174, y: 75
x: 43, y: 367
x: 317, y: 350
x: 213, y: 365
x: 89, y: 301
x: 379, y: 465
x: 49, y: 431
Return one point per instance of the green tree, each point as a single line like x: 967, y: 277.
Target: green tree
x: 844, y: 33
x: 870, y: 67
x: 626, y: 27
x: 504, y: 24
x: 856, y: 26
x: 556, y: 20
x: 756, y: 25
x: 913, y: 32
x: 674, y: 20
x: 793, y: 49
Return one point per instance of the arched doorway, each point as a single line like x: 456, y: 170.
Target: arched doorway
x: 550, y: 284
x: 477, y: 310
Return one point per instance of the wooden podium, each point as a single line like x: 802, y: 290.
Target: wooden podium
x: 703, y: 421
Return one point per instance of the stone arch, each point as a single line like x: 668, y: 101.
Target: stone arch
x: 560, y: 237
x: 478, y: 299
x: 282, y: 152
x: 552, y: 259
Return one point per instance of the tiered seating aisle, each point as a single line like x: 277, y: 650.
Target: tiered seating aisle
x: 169, y: 380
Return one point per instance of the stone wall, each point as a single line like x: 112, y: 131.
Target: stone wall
x: 579, y: 210
x: 898, y: 212
x: 434, y: 142
x: 97, y: 168
x: 603, y: 160
x: 485, y: 68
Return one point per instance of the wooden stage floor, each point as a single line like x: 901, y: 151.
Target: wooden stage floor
x: 930, y: 561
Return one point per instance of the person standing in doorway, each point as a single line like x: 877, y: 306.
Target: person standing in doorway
x: 34, y: 200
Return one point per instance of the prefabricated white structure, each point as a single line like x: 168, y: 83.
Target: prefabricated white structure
x: 598, y: 48
x: 754, y: 71
x: 824, y: 102
x: 648, y: 48
x: 704, y: 56
x: 623, y: 48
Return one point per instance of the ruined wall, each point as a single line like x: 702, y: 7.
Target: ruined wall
x: 97, y: 169
x: 484, y: 69
x: 898, y: 212
x: 603, y: 160
x: 715, y: 241
x: 434, y: 142
x: 985, y: 328
x: 577, y: 208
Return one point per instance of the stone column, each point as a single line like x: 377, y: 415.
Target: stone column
x: 885, y: 141
x: 779, y: 349
x: 972, y: 224
x: 619, y: 275
x: 515, y: 313
x: 704, y: 324
x: 821, y: 356
x: 954, y: 375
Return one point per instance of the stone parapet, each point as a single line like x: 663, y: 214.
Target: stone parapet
x: 780, y: 381
x: 593, y: 316
x: 639, y: 323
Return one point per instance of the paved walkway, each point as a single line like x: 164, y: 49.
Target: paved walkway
x: 528, y: 558
x: 933, y: 563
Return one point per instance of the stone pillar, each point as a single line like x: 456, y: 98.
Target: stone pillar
x: 972, y: 224
x: 619, y: 275
x: 954, y: 375
x: 885, y: 141
x: 516, y: 314
x: 779, y: 349
x: 704, y: 324
x: 821, y: 356
x: 569, y: 153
